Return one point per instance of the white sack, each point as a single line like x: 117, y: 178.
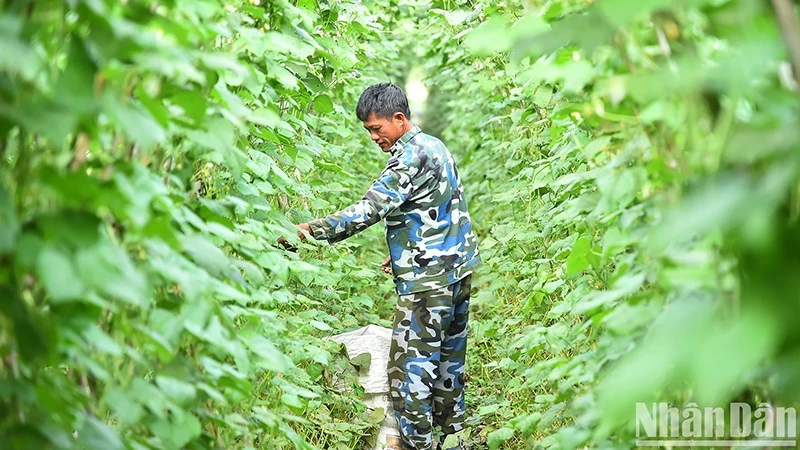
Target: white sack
x: 376, y: 341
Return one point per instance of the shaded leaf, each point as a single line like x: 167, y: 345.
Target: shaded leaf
x: 497, y: 437
x: 97, y: 435
x: 59, y: 275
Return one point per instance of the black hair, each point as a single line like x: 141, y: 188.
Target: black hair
x: 383, y: 99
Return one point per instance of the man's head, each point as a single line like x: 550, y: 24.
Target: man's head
x: 383, y: 108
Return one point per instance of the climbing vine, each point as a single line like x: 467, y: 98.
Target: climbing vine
x: 153, y: 152
x: 633, y: 172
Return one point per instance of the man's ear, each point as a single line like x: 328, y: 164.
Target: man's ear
x: 399, y: 117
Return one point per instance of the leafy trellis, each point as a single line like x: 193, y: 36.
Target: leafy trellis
x: 150, y: 153
x: 633, y: 172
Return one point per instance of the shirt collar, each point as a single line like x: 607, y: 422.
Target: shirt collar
x: 398, y: 146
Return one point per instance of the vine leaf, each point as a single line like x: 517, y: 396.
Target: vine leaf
x: 578, y: 259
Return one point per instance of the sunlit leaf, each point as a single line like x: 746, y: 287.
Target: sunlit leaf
x: 578, y: 258
x: 323, y: 104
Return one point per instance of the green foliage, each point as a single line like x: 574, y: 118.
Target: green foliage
x: 630, y: 166
x: 152, y: 155
x: 632, y: 174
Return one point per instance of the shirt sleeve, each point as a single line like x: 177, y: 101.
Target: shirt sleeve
x: 394, y: 186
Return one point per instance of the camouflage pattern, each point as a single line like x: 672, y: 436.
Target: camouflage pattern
x: 426, y: 363
x: 428, y: 228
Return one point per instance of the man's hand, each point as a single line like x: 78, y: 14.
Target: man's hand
x: 302, y: 229
x: 385, y: 266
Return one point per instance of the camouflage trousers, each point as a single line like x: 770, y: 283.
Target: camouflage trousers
x: 426, y: 363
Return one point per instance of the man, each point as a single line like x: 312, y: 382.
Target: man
x: 432, y: 253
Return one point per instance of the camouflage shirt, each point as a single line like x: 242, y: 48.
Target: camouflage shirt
x: 428, y: 228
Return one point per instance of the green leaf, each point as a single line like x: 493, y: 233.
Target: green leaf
x: 96, y: 435
x: 154, y: 105
x: 46, y: 117
x: 149, y: 396
x: 127, y: 410
x: 292, y: 400
x: 362, y: 361
x: 286, y: 44
x: 183, y: 429
x: 110, y: 270
x: 454, y: 18
x: 267, y: 117
x: 75, y: 86
x: 29, y: 327
x: 488, y: 409
x: 588, y: 31
x: 180, y: 392
x: 578, y: 260
x: 58, y: 274
x: 314, y: 84
x: 626, y: 285
x: 283, y: 76
x: 101, y: 341
x: 219, y: 336
x: 17, y: 56
x: 271, y: 357
x: 527, y: 424
x: 376, y: 416
x: 72, y: 229
x: 323, y: 104
x: 193, y: 103
x: 322, y: 326
x: 206, y: 254
x: 236, y: 422
x: 136, y: 123
x: 490, y: 37
x: 497, y: 437
x: 219, y: 136
x: 596, y: 146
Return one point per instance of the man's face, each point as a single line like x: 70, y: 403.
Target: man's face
x: 385, y: 132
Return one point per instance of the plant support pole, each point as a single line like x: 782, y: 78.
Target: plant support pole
x: 791, y: 36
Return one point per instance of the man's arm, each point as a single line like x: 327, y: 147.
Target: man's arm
x: 387, y: 193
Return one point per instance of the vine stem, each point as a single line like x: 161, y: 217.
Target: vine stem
x: 21, y: 168
x: 791, y: 36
